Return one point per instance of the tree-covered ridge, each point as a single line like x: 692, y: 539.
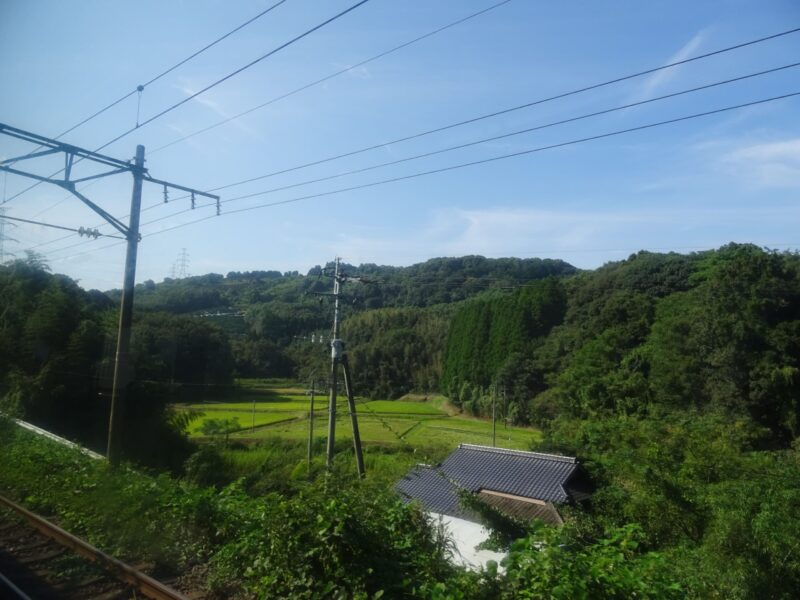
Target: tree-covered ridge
x: 436, y: 281
x: 675, y: 379
x: 713, y: 329
x: 267, y: 312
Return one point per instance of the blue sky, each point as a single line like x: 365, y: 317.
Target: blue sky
x: 693, y: 185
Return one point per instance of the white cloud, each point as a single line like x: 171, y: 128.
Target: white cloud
x: 586, y: 238
x: 501, y: 232
x: 766, y: 164
x: 660, y: 78
x: 208, y: 102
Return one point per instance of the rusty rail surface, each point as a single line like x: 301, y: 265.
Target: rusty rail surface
x: 138, y: 580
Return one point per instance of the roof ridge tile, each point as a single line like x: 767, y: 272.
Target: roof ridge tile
x: 524, y: 453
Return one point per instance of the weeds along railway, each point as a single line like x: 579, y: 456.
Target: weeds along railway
x: 39, y: 560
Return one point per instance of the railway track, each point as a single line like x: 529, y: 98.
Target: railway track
x: 40, y: 561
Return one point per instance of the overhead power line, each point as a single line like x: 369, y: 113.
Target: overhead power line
x: 501, y: 136
x: 457, y: 166
x: 442, y: 169
x: 141, y: 87
x: 237, y: 71
x: 216, y: 83
x: 87, y: 231
x: 516, y: 108
x: 479, y: 162
x: 496, y: 113
x: 331, y: 76
x: 300, y: 89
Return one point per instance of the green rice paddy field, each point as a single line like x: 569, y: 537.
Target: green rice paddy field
x: 267, y: 409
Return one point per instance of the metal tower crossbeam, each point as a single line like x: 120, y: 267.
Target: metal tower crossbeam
x: 70, y: 152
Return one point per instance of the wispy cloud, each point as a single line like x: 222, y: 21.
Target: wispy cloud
x: 505, y: 232
x: 523, y: 231
x: 586, y: 238
x: 358, y: 72
x: 660, y: 78
x: 208, y: 102
x: 766, y: 164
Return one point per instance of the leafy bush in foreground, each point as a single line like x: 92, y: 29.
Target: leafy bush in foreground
x: 332, y: 539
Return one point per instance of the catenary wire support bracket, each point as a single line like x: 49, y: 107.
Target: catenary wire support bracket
x: 129, y: 231
x: 68, y: 183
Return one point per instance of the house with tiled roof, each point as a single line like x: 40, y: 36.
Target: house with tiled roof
x: 523, y: 485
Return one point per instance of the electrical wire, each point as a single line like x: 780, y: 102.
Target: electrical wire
x: 507, y: 110
x: 448, y: 168
x: 504, y: 111
x: 138, y: 89
x: 291, y: 93
x: 216, y: 83
x: 331, y: 76
x: 82, y: 230
x: 236, y: 72
x: 472, y: 163
x: 514, y: 108
x: 505, y: 135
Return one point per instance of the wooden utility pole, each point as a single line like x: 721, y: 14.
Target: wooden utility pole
x: 494, y: 415
x: 122, y: 366
x: 311, y: 426
x: 351, y: 403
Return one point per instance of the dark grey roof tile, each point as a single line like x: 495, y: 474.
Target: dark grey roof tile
x: 434, y: 491
x: 527, y: 474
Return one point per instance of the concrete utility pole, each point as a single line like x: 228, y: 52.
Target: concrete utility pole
x: 51, y: 147
x: 336, y: 353
x: 121, y: 366
x: 339, y: 358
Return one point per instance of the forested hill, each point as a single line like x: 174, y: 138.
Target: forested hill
x: 716, y: 329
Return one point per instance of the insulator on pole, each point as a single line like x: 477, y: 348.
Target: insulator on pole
x: 192, y: 200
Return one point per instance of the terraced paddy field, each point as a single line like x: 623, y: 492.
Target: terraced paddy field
x: 242, y: 419
x: 264, y: 411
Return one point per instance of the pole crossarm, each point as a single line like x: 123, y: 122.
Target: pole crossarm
x: 122, y: 370
x: 180, y: 187
x: 11, y: 161
x: 70, y: 153
x: 57, y: 146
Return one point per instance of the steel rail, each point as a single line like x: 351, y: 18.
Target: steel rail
x: 9, y: 590
x: 125, y: 573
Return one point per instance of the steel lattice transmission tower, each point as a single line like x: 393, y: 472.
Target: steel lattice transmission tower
x: 182, y: 263
x: 4, y: 238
